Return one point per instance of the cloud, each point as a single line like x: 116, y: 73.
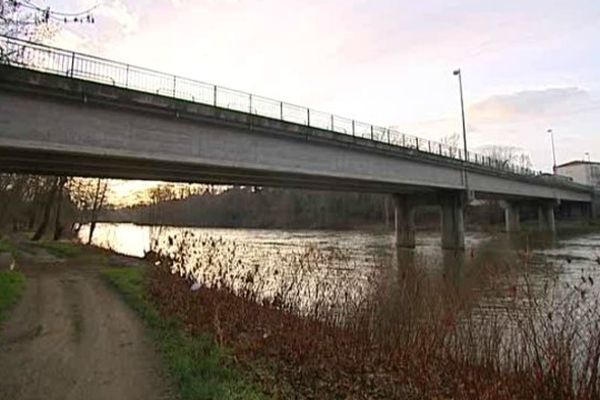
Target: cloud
x: 117, y: 12
x: 530, y: 104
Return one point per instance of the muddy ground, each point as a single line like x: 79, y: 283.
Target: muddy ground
x: 72, y: 337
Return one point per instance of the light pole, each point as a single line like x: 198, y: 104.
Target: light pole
x: 462, y: 109
x: 553, y: 151
x: 587, y: 155
x: 464, y: 127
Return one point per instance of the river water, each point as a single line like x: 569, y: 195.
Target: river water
x: 331, y: 261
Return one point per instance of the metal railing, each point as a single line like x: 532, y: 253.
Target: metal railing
x: 72, y: 64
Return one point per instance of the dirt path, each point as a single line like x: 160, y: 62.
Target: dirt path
x: 71, y: 337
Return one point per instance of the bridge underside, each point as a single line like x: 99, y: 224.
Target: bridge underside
x: 43, y: 162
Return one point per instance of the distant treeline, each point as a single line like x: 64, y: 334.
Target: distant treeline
x: 278, y: 208
x: 262, y: 208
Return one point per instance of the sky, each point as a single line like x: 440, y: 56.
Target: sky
x: 527, y: 66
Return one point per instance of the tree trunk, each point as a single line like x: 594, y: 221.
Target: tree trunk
x: 46, y: 213
x: 92, y: 228
x: 58, y: 228
x: 99, y: 197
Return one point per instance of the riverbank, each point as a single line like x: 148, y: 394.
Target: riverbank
x: 200, y: 367
x: 412, y: 337
x: 12, y: 284
x: 69, y: 336
x: 411, y: 340
x: 72, y: 322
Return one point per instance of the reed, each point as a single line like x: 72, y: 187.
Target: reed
x: 387, y: 333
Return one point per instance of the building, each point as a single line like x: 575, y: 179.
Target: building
x: 585, y: 172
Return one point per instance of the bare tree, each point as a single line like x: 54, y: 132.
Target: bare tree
x: 505, y: 155
x: 97, y: 204
x: 58, y: 226
x: 48, y: 203
x: 26, y: 20
x: 23, y: 19
x: 451, y: 143
x: 80, y: 193
x: 89, y: 196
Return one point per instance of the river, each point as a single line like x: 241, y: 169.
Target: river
x: 322, y: 261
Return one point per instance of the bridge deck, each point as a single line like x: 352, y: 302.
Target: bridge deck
x: 71, y: 126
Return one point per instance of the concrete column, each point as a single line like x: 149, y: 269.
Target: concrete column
x: 404, y: 221
x: 546, y: 217
x: 596, y: 205
x: 511, y: 217
x: 453, y: 226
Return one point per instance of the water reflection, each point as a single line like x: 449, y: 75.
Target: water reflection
x: 491, y: 265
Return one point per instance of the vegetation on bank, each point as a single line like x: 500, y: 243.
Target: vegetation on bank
x: 12, y: 284
x: 61, y: 249
x: 411, y: 337
x: 200, y: 367
x: 7, y: 246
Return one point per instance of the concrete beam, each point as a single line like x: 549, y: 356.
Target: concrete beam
x: 452, y: 216
x: 404, y: 208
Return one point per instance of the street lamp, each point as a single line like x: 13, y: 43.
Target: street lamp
x: 464, y: 126
x: 462, y: 108
x: 553, y: 151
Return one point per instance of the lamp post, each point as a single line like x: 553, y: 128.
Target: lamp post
x: 553, y: 151
x: 464, y: 128
x: 462, y: 109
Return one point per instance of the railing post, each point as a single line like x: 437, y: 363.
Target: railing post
x: 127, y: 76
x: 215, y: 95
x: 281, y: 110
x: 72, y: 63
x: 308, y: 116
x: 429, y: 145
x: 250, y: 103
x: 353, y: 132
x: 403, y: 140
x: 174, y: 86
x: 388, y: 135
x: 332, y: 126
x: 417, y: 142
x: 371, y: 132
x: 440, y: 149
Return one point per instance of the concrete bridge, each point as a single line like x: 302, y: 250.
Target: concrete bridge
x: 71, y: 114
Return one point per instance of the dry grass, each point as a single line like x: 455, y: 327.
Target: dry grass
x: 398, y: 335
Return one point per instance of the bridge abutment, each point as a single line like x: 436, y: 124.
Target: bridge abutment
x: 453, y: 225
x: 404, y: 208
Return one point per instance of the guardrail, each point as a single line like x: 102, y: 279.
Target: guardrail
x: 72, y: 64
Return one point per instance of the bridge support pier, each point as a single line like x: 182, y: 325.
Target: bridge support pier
x: 546, y: 217
x: 404, y: 208
x: 453, y: 225
x: 512, y: 216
